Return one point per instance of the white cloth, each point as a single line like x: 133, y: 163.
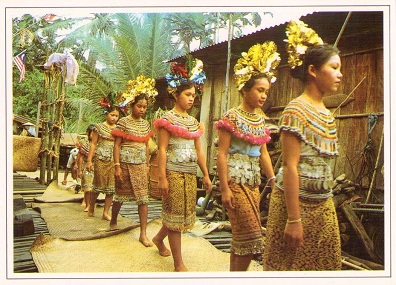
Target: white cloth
x: 62, y: 60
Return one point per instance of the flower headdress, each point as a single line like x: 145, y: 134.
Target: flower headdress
x: 299, y: 38
x: 260, y: 58
x: 108, y: 102
x: 191, y: 69
x: 140, y: 85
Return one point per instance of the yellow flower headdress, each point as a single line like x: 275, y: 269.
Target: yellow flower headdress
x: 299, y: 38
x: 260, y: 58
x: 136, y: 87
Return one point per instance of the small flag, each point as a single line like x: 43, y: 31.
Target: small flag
x: 19, y: 61
x: 48, y: 17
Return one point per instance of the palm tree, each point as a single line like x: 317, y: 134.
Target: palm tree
x: 112, y: 49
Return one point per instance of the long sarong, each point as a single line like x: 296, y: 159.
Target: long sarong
x: 322, y: 246
x: 178, y: 208
x: 134, y: 185
x: 103, y: 181
x: 247, y: 236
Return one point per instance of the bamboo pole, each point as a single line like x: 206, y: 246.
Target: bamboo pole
x: 57, y: 126
x: 227, y: 79
x: 375, y: 168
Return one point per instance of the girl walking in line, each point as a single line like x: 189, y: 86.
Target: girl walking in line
x: 131, y: 152
x: 242, y: 153
x: 86, y: 176
x: 302, y: 227
x: 179, y: 152
x: 100, y: 159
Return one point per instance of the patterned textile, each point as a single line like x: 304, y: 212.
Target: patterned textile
x: 178, y: 208
x: 322, y: 245
x: 180, y: 126
x: 103, y: 181
x: 84, y: 145
x: 317, y: 129
x: 86, y: 179
x: 247, y: 236
x: 134, y: 184
x: 130, y: 129
x: 247, y: 126
x: 104, y: 148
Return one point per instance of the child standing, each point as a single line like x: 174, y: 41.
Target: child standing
x: 131, y: 153
x: 242, y: 153
x: 179, y: 152
x: 71, y: 166
x: 86, y: 176
x: 100, y: 159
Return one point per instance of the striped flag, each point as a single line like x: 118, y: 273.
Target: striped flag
x: 19, y: 61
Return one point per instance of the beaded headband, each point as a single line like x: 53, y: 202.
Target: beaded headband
x: 260, y: 58
x: 191, y: 69
x: 139, y: 86
x: 299, y: 38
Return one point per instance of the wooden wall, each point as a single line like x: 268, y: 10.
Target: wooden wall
x: 352, y: 119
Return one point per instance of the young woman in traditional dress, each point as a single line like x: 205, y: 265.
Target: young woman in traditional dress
x: 179, y: 152
x: 242, y: 153
x: 86, y: 176
x: 100, y: 159
x: 131, y: 153
x: 302, y: 229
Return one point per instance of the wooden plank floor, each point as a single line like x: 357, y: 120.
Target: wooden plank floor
x: 30, y: 188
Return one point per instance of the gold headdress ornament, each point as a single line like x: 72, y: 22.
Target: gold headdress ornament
x: 136, y: 87
x: 299, y: 38
x: 260, y: 58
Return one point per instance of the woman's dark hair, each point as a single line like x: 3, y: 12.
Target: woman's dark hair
x: 138, y: 98
x: 315, y: 55
x: 184, y: 86
x: 250, y: 83
x: 89, y: 130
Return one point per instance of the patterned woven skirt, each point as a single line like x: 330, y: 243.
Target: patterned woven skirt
x: 247, y: 235
x: 103, y: 181
x: 322, y: 247
x: 178, y: 208
x: 134, y: 184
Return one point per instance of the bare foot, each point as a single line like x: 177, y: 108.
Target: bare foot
x: 83, y: 205
x: 106, y: 217
x: 86, y: 209
x: 91, y: 214
x: 162, y: 249
x: 146, y: 242
x: 181, y: 268
x: 114, y: 227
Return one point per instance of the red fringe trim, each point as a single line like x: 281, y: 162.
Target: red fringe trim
x: 250, y: 138
x: 176, y: 130
x: 118, y: 133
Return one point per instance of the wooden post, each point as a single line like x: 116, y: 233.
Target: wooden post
x: 57, y: 124
x: 361, y: 233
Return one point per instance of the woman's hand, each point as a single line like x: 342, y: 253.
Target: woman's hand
x: 117, y: 174
x: 88, y: 165
x: 228, y: 199
x: 207, y: 184
x: 293, y: 235
x: 163, y: 186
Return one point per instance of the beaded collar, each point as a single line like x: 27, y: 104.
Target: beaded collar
x: 247, y: 126
x: 179, y: 125
x: 131, y: 129
x: 317, y: 129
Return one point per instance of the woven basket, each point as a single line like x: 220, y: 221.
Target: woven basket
x: 25, y: 153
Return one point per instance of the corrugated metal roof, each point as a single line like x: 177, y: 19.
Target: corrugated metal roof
x: 233, y: 38
x: 361, y: 25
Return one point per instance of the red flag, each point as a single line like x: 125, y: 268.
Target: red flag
x: 48, y: 17
x: 19, y: 61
